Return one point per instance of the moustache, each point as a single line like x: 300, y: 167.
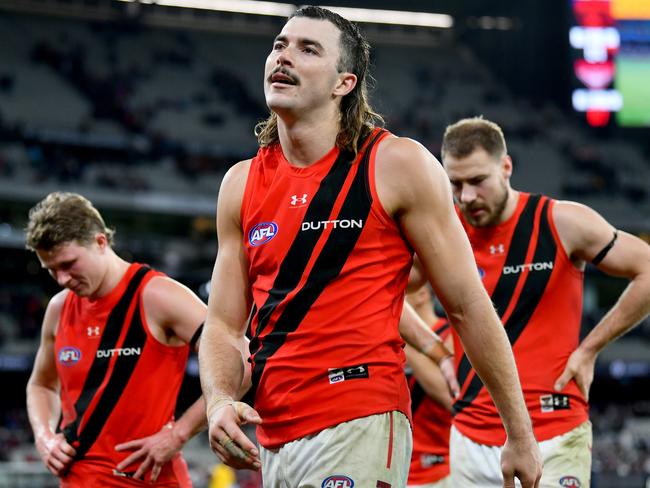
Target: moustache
x: 281, y: 69
x: 472, y: 207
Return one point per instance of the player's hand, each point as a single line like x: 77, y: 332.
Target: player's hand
x: 56, y: 453
x: 579, y: 367
x: 227, y: 439
x: 521, y: 459
x: 153, y: 452
x: 449, y: 372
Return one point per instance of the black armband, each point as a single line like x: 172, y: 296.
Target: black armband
x: 601, y: 255
x: 196, y: 336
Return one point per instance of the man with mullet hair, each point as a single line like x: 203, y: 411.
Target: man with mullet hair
x: 532, y: 251
x: 323, y: 303
x: 114, y: 345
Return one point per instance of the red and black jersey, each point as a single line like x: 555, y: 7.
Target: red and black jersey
x: 537, y: 292
x: 328, y: 268
x: 118, y: 382
x: 431, y: 429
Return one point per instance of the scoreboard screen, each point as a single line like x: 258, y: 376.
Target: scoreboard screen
x: 611, y: 41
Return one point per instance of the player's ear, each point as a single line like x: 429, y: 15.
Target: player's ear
x: 506, y: 166
x: 345, y: 84
x: 101, y: 240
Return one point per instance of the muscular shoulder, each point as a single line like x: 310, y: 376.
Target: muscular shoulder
x: 172, y: 308
x: 581, y: 229
x: 404, y: 170
x: 53, y: 312
x: 235, y: 178
x: 568, y: 211
x: 158, y: 290
x: 57, y: 301
x: 232, y: 189
x: 401, y: 155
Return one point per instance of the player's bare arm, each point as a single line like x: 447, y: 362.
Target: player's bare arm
x: 430, y: 378
x: 223, y: 344
x: 429, y: 346
x: 43, y: 405
x: 417, y: 276
x: 584, y: 235
x: 174, y: 314
x: 414, y: 189
x: 173, y: 311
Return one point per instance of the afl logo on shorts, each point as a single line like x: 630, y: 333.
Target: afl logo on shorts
x: 69, y: 355
x: 262, y: 233
x: 337, y: 481
x: 570, y: 481
x: 481, y: 272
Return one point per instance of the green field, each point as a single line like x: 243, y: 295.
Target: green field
x: 633, y: 82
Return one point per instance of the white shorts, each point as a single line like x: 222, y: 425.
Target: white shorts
x: 567, y: 461
x: 443, y: 483
x: 372, y: 452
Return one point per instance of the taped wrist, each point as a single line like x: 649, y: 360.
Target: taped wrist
x: 217, y: 402
x: 437, y: 351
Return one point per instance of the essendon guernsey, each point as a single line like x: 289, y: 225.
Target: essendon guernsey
x: 537, y: 292
x: 328, y: 268
x: 118, y: 383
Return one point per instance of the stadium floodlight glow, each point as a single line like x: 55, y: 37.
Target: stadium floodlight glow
x: 397, y: 17
x: 278, y: 9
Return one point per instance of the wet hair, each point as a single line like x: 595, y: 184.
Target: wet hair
x: 61, y: 218
x: 465, y: 136
x: 357, y: 116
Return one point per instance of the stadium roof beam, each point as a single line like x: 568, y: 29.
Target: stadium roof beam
x: 278, y: 9
x: 419, y: 31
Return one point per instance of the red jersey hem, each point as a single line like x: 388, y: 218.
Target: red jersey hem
x: 431, y: 476
x: 84, y: 474
x: 541, y: 433
x: 264, y: 439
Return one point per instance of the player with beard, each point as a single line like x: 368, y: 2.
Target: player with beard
x: 531, y: 251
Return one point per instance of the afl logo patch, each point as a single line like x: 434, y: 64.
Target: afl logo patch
x: 337, y: 481
x: 69, y: 355
x: 262, y: 233
x: 570, y: 481
x: 481, y: 272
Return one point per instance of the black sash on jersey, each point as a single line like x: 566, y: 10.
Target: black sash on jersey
x: 417, y: 395
x: 124, y: 366
x: 532, y: 292
x: 329, y: 262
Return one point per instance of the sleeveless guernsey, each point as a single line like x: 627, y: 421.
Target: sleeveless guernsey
x: 328, y: 269
x: 431, y: 429
x: 537, y: 292
x: 118, y: 383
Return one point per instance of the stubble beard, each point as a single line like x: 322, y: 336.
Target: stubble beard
x: 493, y: 215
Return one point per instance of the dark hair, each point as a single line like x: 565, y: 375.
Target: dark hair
x: 64, y: 217
x: 466, y: 135
x: 357, y: 116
